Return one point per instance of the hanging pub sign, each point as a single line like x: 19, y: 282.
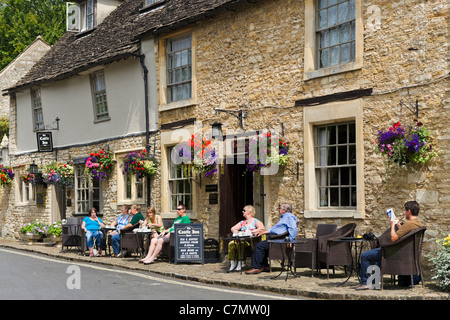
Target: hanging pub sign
x: 188, y: 242
x: 44, y: 141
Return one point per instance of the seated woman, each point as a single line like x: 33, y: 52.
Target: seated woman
x: 121, y: 221
x: 91, y: 225
x: 164, y: 237
x: 250, y: 223
x: 153, y: 222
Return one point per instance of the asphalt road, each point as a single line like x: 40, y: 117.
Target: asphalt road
x: 29, y: 276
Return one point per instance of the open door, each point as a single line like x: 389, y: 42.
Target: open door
x: 236, y: 191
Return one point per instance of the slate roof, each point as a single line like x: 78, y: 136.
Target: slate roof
x: 118, y: 36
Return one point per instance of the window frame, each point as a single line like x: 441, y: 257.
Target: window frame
x: 337, y: 25
x: 26, y: 192
x: 327, y: 184
x: 99, y: 94
x: 170, y: 52
x: 123, y: 198
x: 164, y: 104
x: 87, y: 187
x: 173, y: 181
x: 36, y: 105
x: 332, y: 113
x: 84, y: 21
x: 311, y: 62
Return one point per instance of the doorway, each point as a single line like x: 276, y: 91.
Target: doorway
x: 236, y: 191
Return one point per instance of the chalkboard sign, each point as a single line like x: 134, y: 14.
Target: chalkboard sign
x: 44, y: 141
x: 188, y: 242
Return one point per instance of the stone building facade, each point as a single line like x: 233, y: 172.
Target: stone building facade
x: 259, y: 64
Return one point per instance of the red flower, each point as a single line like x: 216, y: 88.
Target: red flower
x: 396, y: 125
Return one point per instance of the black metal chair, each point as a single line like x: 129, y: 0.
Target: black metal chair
x: 306, y: 252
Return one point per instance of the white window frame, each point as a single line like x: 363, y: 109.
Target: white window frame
x: 333, y: 158
x: 130, y: 189
x: 88, y: 192
x: 36, y: 104
x: 26, y: 192
x: 338, y: 26
x: 332, y: 113
x: 179, y: 69
x: 164, y: 102
x: 99, y: 96
x: 176, y: 175
x: 87, y: 15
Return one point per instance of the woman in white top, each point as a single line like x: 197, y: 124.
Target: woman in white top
x: 249, y: 224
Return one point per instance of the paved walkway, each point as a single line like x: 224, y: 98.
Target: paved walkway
x: 215, y: 273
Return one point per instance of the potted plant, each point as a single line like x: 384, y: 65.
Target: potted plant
x: 58, y: 173
x: 33, y: 231
x: 99, y: 164
x: 139, y: 163
x: 54, y: 231
x: 6, y: 175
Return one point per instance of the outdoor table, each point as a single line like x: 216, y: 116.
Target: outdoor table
x: 287, y: 255
x: 143, y: 234
x: 105, y: 230
x: 355, y: 265
x: 240, y: 240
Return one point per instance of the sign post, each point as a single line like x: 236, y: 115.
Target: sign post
x: 188, y: 242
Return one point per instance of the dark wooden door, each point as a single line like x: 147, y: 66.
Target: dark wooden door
x: 236, y: 191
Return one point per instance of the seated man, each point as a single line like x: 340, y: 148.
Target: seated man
x: 288, y: 222
x: 374, y: 256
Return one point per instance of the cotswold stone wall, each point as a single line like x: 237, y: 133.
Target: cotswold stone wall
x: 253, y: 59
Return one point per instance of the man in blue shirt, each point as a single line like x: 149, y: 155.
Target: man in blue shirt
x: 288, y: 222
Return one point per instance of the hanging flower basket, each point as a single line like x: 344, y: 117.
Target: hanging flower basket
x: 27, y: 177
x: 99, y: 165
x: 58, y: 174
x: 406, y: 147
x: 140, y: 164
x: 267, y: 144
x: 197, y: 154
x: 6, y: 175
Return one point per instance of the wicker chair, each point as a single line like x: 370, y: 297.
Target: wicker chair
x: 72, y: 235
x: 306, y: 253
x: 130, y: 240
x: 402, y: 257
x: 168, y: 248
x: 333, y: 253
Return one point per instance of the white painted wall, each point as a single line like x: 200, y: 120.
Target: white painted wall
x: 71, y: 101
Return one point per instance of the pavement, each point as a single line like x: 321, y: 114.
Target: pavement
x: 317, y: 287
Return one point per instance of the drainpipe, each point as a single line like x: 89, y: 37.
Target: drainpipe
x: 147, y: 116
